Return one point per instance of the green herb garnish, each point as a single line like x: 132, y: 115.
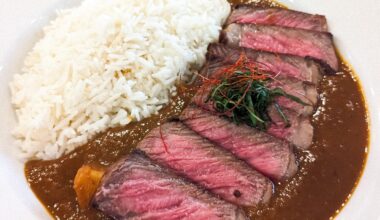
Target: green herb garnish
x: 242, y: 95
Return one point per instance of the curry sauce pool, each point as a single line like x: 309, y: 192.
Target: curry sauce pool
x: 328, y: 174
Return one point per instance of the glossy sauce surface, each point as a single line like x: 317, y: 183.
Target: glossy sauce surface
x: 327, y: 176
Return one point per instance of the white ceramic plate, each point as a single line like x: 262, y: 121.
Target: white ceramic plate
x: 355, y: 24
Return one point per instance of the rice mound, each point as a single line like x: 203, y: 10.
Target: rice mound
x: 105, y: 64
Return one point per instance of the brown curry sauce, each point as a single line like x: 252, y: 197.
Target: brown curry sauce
x: 328, y: 171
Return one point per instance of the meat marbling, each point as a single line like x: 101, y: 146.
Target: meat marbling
x: 176, y: 146
x: 298, y: 131
x: 277, y: 16
x: 304, y: 43
x: 271, y: 156
x: 220, y: 55
x: 307, y: 93
x: 137, y: 188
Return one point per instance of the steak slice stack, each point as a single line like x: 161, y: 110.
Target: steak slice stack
x: 248, y: 14
x: 203, y: 165
x: 188, y: 154
x: 306, y: 94
x: 292, y: 53
x: 298, y: 131
x: 276, y: 39
x: 271, y: 156
x: 137, y: 188
x: 220, y: 55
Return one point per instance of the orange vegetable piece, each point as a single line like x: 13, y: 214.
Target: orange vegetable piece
x: 86, y: 183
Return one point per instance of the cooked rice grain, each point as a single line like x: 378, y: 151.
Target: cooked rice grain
x: 105, y: 64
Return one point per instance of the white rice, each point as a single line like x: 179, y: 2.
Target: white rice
x: 107, y: 63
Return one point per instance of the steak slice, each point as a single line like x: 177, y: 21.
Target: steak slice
x: 137, y: 188
x: 176, y: 146
x: 249, y: 14
x: 276, y: 39
x: 220, y: 55
x: 271, y: 156
x: 293, y: 81
x: 300, y: 132
x: 307, y: 93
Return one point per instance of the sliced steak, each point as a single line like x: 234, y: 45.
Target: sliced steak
x: 269, y: 155
x: 176, y: 146
x: 276, y: 39
x: 300, y: 132
x: 220, y: 55
x: 249, y: 14
x: 307, y: 93
x: 137, y: 188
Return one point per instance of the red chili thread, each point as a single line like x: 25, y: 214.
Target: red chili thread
x: 259, y: 70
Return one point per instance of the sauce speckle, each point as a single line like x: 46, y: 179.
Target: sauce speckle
x: 328, y: 171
